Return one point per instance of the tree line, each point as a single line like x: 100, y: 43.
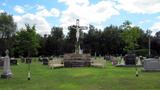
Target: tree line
x: 112, y: 40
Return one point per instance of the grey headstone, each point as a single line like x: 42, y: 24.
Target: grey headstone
x: 1, y: 61
x: 45, y: 61
x: 122, y: 62
x: 130, y: 59
x: 152, y: 64
x: 13, y: 61
x: 6, y: 67
x: 138, y: 61
x: 28, y: 60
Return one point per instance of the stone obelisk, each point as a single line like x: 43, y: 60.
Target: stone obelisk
x: 6, y: 66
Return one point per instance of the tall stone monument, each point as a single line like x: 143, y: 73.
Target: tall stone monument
x: 78, y: 28
x: 77, y: 59
x: 6, y: 67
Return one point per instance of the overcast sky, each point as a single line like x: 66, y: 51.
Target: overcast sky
x: 100, y: 13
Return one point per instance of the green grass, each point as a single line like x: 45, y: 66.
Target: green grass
x: 108, y: 78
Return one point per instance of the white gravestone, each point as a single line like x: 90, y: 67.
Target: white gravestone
x: 119, y: 60
x: 122, y: 62
x: 6, y: 67
x: 138, y: 61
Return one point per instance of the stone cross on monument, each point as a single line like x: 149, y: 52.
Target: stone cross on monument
x: 78, y: 28
x: 6, y: 67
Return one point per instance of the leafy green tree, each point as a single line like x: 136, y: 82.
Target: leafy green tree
x: 7, y: 32
x: 27, y: 41
x: 130, y: 35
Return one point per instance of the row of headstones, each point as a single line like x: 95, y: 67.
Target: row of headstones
x: 45, y: 60
x: 6, y: 64
x: 27, y: 60
x: 149, y: 64
x: 127, y: 60
x: 134, y: 61
x: 13, y: 61
x: 137, y: 61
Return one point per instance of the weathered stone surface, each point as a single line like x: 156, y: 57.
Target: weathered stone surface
x: 139, y: 62
x: 1, y: 61
x: 98, y: 63
x: 28, y: 60
x: 56, y: 63
x: 130, y: 59
x: 151, y: 64
x: 13, y: 61
x: 6, y: 67
x: 22, y: 59
x: 77, y: 60
x: 108, y: 57
x: 40, y: 59
x: 45, y: 61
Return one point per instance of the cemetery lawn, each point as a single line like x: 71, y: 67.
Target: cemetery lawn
x: 108, y: 78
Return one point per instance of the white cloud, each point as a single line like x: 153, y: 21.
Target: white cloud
x: 155, y: 28
x: 45, y: 13
x: 42, y: 26
x: 140, y: 6
x: 39, y: 7
x: 75, y: 2
x: 144, y: 21
x: 55, y: 12
x: 88, y: 13
x: 1, y: 11
x: 158, y: 17
x: 42, y: 11
x: 38, y: 18
x: 17, y: 18
x: 19, y: 9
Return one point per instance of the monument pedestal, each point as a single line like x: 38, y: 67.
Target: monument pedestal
x: 6, y: 76
x: 77, y: 60
x: 6, y: 67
